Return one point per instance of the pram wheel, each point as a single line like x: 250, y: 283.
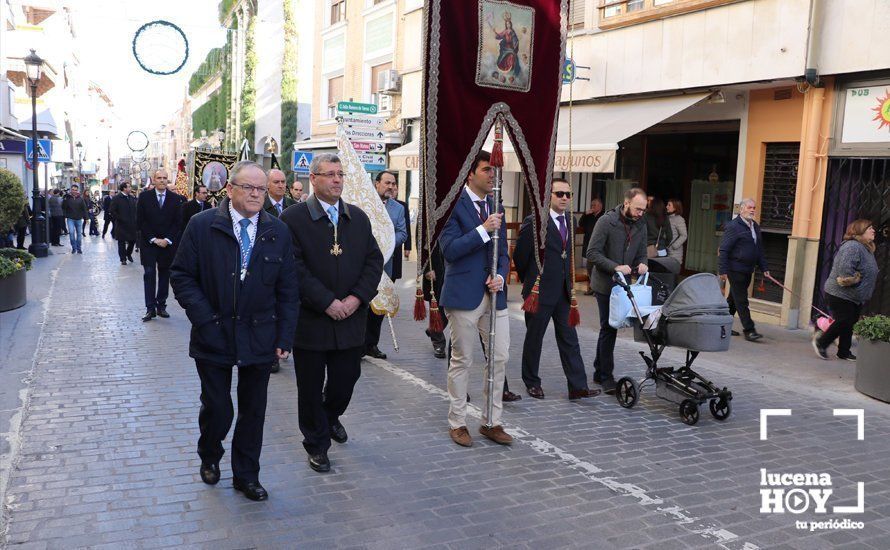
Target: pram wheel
x: 720, y: 408
x: 627, y: 392
x: 689, y: 412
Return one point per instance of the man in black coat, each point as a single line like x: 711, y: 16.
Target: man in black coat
x: 554, y: 296
x: 123, y: 210
x: 741, y: 250
x: 339, y: 266
x: 157, y: 217
x: 106, y: 214
x: 277, y: 199
x: 194, y: 206
x: 235, y: 277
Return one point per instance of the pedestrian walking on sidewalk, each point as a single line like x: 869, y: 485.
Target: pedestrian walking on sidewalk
x: 106, y: 215
x: 245, y: 318
x: 854, y: 273
x: 75, y: 210
x: 554, y: 295
x: 339, y: 266
x: 123, y: 210
x: 157, y: 218
x: 56, y: 217
x: 618, y: 244
x: 741, y: 251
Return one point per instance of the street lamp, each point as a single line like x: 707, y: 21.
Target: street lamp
x: 79, y: 148
x: 39, y: 247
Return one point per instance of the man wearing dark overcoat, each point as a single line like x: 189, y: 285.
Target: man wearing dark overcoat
x: 194, y: 206
x: 276, y: 198
x: 157, y: 217
x: 554, y: 295
x: 234, y: 275
x: 123, y: 210
x: 339, y: 266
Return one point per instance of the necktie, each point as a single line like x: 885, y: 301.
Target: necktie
x: 563, y: 231
x: 161, y: 200
x: 333, y: 214
x: 245, y: 242
x: 278, y: 207
x: 483, y: 210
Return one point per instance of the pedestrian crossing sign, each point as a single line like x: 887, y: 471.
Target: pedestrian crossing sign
x: 301, y: 161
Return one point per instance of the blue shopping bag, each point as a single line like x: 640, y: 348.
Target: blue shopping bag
x: 621, y: 313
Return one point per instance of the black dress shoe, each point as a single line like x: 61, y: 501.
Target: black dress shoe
x: 276, y: 366
x: 251, y: 489
x: 736, y: 333
x: 123, y: 262
x: 582, y: 394
x: 609, y: 386
x: 753, y: 336
x: 210, y: 473
x: 509, y: 397
x: 536, y: 392
x: 162, y: 312
x: 149, y: 315
x: 320, y: 462
x: 374, y: 351
x: 338, y: 432
x: 130, y: 259
x: 439, y: 352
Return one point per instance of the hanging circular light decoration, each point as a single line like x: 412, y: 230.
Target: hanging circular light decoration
x: 146, y: 165
x: 138, y: 157
x: 160, y: 47
x: 137, y: 141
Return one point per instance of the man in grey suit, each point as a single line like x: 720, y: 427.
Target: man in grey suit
x: 386, y: 188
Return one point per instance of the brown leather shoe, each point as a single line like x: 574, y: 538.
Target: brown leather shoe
x: 580, y: 394
x: 496, y: 434
x: 461, y: 436
x: 510, y: 396
x: 536, y: 392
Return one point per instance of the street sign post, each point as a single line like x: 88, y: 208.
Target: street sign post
x: 363, y: 121
x: 44, y: 150
x: 364, y: 134
x: 372, y: 159
x: 368, y: 147
x: 301, y: 161
x: 353, y: 107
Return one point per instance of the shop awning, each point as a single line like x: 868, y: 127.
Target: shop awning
x: 46, y: 124
x: 596, y: 131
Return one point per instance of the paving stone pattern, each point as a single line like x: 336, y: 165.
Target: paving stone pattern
x: 108, y: 456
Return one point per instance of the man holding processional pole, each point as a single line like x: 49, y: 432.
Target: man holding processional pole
x: 466, y: 79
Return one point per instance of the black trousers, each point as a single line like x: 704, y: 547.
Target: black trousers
x: 320, y: 404
x: 845, y: 314
x: 20, y: 236
x: 108, y: 221
x: 217, y: 413
x: 125, y: 249
x: 566, y: 341
x: 56, y: 224
x: 604, y: 364
x: 372, y: 329
x: 156, y: 282
x: 738, y: 298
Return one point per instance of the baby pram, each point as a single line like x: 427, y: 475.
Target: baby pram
x: 695, y: 316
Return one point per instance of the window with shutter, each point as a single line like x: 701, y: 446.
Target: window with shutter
x: 334, y: 54
x: 576, y: 13
x: 379, y: 35
x: 338, y: 11
x: 335, y: 94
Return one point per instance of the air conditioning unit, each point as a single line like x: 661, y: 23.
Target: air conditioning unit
x: 389, y: 82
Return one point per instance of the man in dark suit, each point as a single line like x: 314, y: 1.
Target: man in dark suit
x: 554, y: 295
x: 157, y: 217
x: 339, y: 267
x: 194, y: 206
x: 741, y: 251
x: 467, y: 292
x: 245, y: 319
x: 276, y: 199
x: 123, y: 210
x: 106, y: 214
x: 400, y: 250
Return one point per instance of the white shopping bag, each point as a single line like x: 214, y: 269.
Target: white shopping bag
x: 621, y: 313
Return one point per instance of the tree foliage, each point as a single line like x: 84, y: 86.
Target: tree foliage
x: 288, y: 89
x: 248, y: 91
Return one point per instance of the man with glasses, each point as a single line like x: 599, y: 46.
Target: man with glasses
x: 618, y: 244
x: 157, y: 217
x: 339, y: 267
x: 240, y: 316
x: 554, y: 295
x: 276, y: 198
x: 194, y: 206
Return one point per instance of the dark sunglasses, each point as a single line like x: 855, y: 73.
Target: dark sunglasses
x: 563, y: 194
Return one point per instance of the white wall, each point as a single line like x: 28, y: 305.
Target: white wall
x: 855, y: 36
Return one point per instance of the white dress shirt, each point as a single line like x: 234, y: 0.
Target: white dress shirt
x: 251, y: 230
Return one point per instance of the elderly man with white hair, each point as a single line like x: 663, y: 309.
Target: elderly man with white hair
x: 741, y: 251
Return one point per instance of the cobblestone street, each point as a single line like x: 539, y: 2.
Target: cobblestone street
x: 109, y: 428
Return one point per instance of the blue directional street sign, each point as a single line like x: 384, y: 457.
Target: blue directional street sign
x: 569, y: 71
x: 301, y: 161
x: 44, y: 150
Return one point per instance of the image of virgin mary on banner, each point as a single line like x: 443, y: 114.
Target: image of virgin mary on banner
x: 488, y: 61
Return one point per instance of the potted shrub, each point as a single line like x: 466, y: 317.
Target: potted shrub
x: 13, y: 289
x: 872, y: 369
